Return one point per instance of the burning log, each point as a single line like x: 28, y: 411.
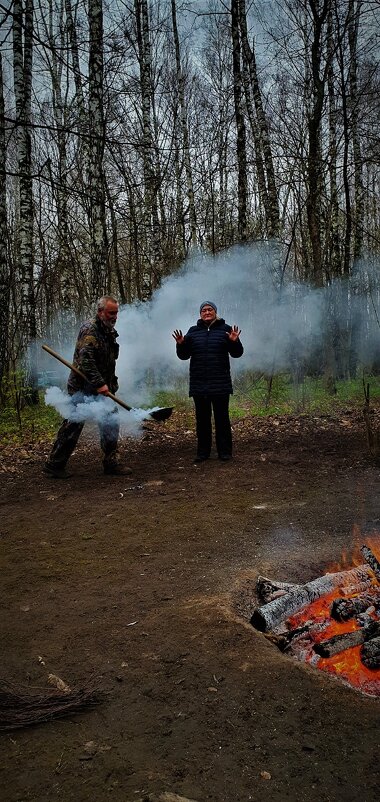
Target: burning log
x: 271, y: 615
x: 339, y: 643
x: 267, y: 589
x: 360, y: 587
x: 371, y: 560
x: 344, y: 609
x: 370, y: 654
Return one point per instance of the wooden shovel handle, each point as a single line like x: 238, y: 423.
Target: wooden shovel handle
x: 82, y: 376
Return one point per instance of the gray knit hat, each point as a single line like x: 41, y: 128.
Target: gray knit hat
x: 207, y: 303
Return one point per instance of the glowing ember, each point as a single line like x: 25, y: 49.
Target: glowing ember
x: 347, y: 664
x: 309, y: 629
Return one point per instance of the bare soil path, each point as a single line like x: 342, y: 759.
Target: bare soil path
x: 144, y: 582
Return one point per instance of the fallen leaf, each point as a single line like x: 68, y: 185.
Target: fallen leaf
x: 265, y: 775
x: 59, y: 683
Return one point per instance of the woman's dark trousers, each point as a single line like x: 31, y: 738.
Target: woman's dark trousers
x: 204, y: 405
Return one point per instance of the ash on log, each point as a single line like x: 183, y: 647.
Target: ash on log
x: 371, y: 560
x: 370, y: 654
x: 268, y: 589
x: 361, y: 587
x: 344, y: 609
x: 271, y: 615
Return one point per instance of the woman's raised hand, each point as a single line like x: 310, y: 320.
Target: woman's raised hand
x: 234, y: 334
x: 178, y: 336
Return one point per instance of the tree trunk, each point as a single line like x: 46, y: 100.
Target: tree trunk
x: 314, y: 158
x: 241, y: 152
x: 354, y: 10
x: 263, y: 145
x: 22, y: 73
x: 151, y: 221
x: 96, y: 177
x: 4, y: 265
x: 184, y: 129
x: 63, y: 266
x: 333, y: 221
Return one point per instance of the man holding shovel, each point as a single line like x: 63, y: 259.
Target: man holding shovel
x: 95, y: 356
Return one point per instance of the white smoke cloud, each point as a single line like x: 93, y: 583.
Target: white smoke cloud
x: 245, y: 285
x: 101, y: 410
x: 281, y: 319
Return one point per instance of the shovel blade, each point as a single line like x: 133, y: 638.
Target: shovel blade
x: 161, y: 414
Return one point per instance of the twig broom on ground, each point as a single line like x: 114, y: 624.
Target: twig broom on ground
x: 25, y: 707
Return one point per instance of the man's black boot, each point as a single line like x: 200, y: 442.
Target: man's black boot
x: 117, y: 470
x: 56, y: 471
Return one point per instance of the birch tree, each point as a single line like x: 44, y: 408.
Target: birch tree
x: 22, y: 78
x: 4, y: 265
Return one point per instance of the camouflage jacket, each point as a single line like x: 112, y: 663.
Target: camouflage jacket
x: 95, y: 355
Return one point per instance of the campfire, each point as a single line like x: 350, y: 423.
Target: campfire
x: 332, y: 622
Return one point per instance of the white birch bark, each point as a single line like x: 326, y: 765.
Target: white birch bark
x: 22, y: 78
x: 4, y: 265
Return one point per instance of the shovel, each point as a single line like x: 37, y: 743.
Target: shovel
x: 157, y: 414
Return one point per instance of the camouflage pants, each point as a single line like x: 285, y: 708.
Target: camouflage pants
x: 68, y: 436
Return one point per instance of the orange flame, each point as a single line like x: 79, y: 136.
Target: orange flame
x: 347, y: 664
x: 353, y: 557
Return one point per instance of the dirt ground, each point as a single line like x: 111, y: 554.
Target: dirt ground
x: 143, y: 586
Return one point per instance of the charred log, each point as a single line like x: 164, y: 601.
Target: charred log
x: 305, y: 633
x: 268, y: 589
x: 370, y: 654
x: 344, y: 609
x: 269, y: 616
x: 371, y: 560
x: 339, y: 643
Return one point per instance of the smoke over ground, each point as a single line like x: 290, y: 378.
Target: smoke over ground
x: 79, y: 409
x: 282, y: 321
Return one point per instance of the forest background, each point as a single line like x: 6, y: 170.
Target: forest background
x: 137, y: 133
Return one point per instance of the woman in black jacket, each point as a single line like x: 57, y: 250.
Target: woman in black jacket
x: 209, y: 345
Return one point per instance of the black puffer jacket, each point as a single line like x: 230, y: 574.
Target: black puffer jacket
x: 209, y: 349
x: 95, y: 354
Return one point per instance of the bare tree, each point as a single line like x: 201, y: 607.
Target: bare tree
x: 263, y: 148
x: 184, y: 128
x: 22, y: 76
x: 151, y: 219
x: 4, y: 265
x: 96, y: 177
x: 354, y: 11
x: 241, y: 149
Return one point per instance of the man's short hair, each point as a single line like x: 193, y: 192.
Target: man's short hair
x: 105, y: 299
